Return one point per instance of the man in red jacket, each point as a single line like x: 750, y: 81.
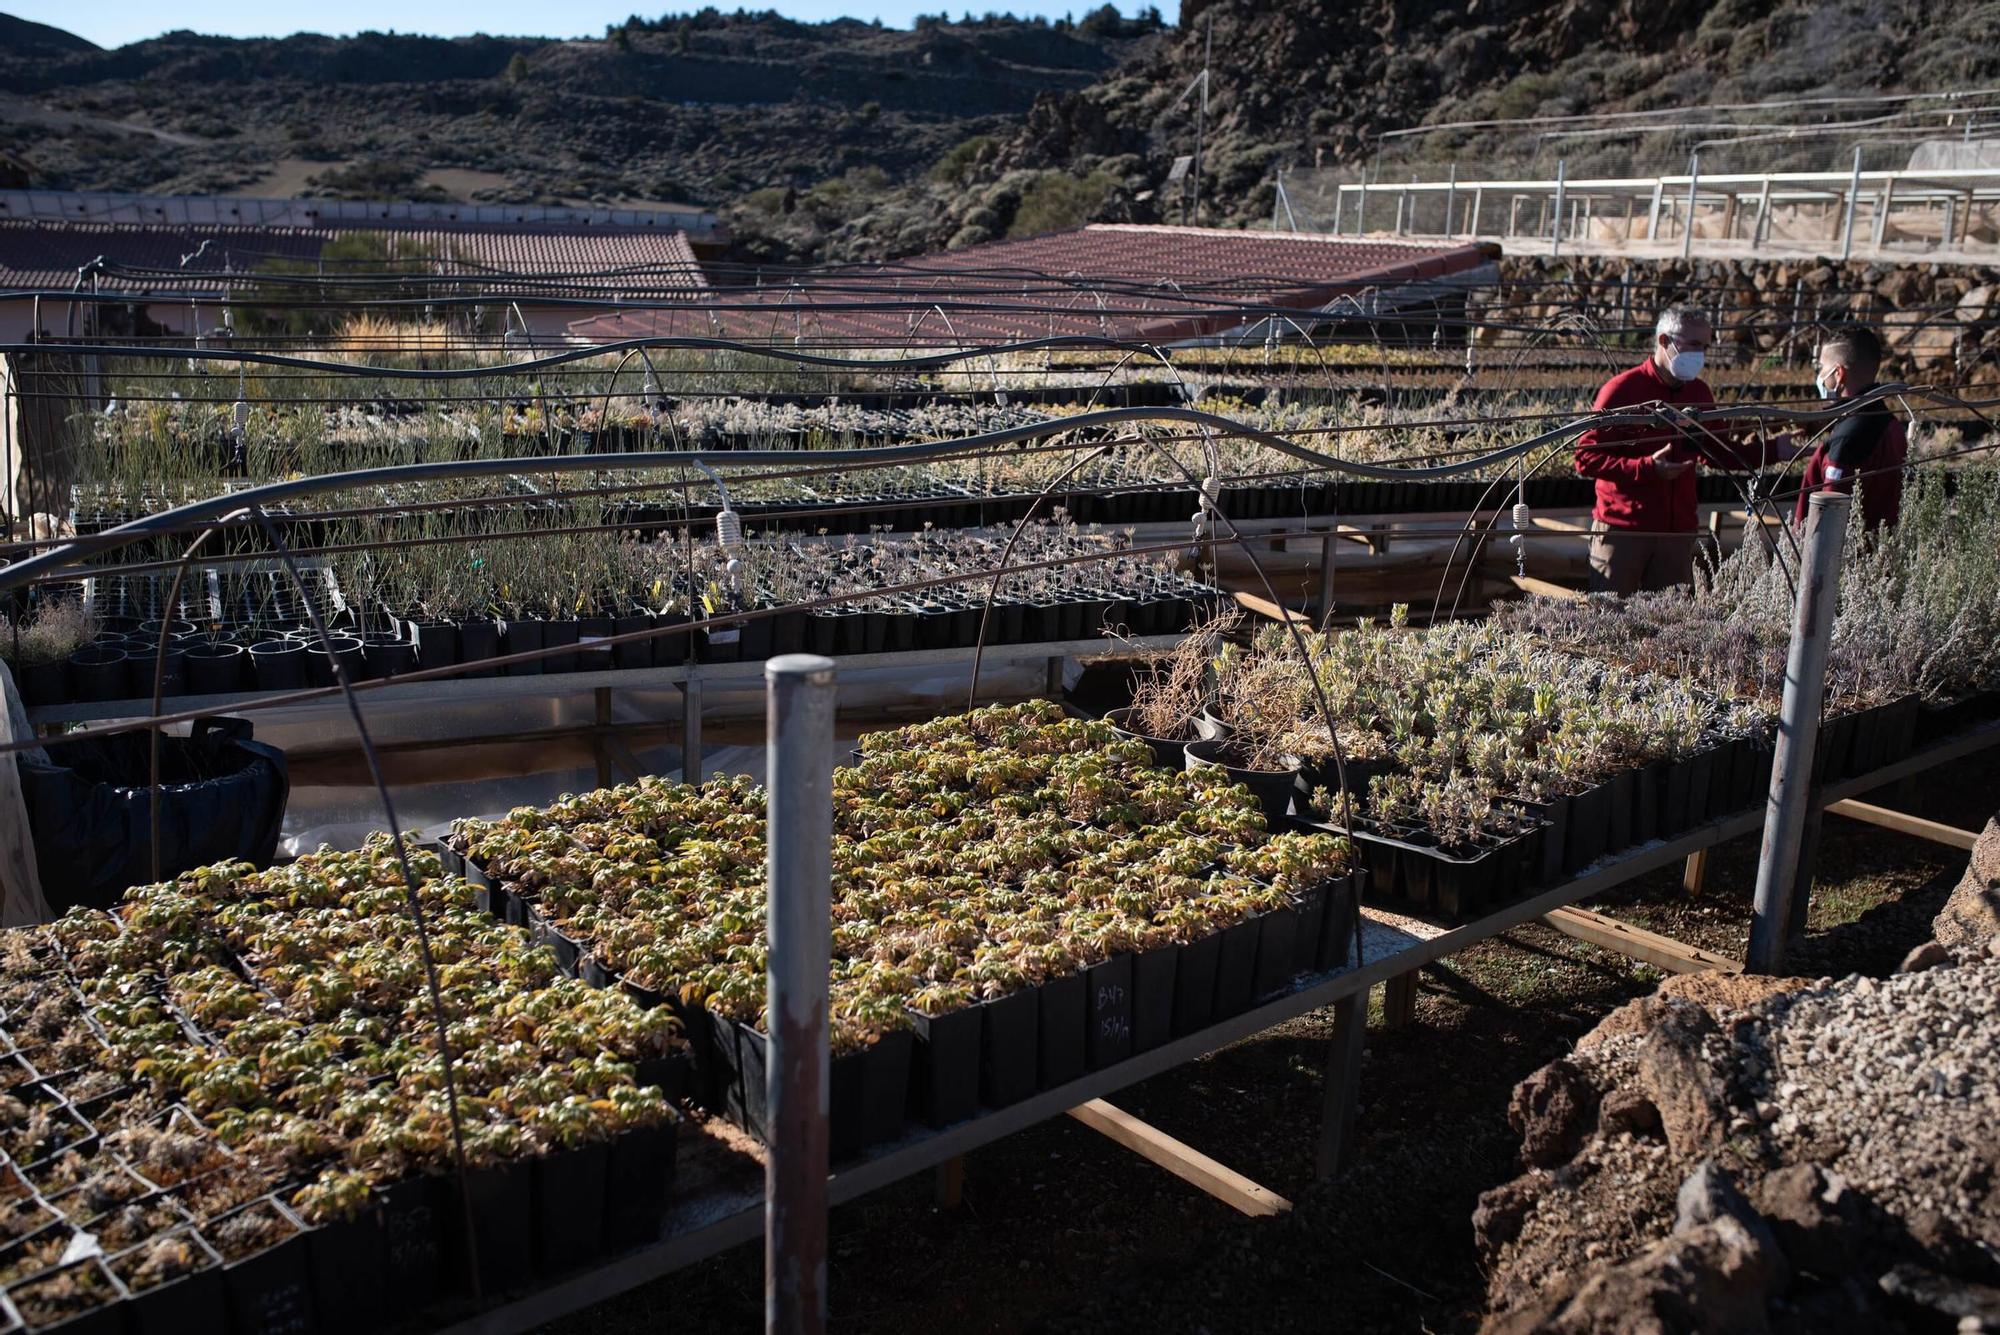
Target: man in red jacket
x: 1868, y: 444
x: 1645, y: 515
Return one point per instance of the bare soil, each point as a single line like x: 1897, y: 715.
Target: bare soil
x: 1060, y: 1230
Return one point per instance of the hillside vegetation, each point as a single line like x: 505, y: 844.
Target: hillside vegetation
x: 845, y: 141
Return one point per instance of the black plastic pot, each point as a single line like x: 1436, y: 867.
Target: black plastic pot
x: 336, y: 1252
x: 1195, y: 970
x: 1343, y: 917
x: 639, y: 1174
x: 946, y: 1088
x: 436, y: 643
x: 1674, y: 792
x: 1554, y: 817
x: 1384, y: 867
x: 788, y: 632
x: 1462, y: 886
x: 846, y: 1093
x: 1648, y: 786
x: 568, y: 950
x: 570, y: 1190
x: 1623, y: 790
x: 503, y: 1201
x: 1236, y: 971
x: 1061, y: 1005
x: 1153, y: 974
x: 412, y: 1250
x: 108, y: 1319
x: 190, y: 1303
x: 1007, y: 1040
x: 322, y: 655
x: 1108, y: 993
x: 1309, y: 939
x: 384, y: 655
x: 589, y: 629
x: 43, y: 683
x: 556, y: 632
x: 1701, y: 772
x: 270, y: 1292
x: 520, y: 635
x: 140, y: 669
x: 1272, y: 788
x: 632, y: 653
x: 479, y: 640
x: 1170, y: 754
x: 98, y: 672
x: 885, y: 1086
x: 1316, y: 774
x: 1589, y: 826
x: 720, y: 644
x: 1899, y: 729
x: 1277, y: 945
x: 1721, y: 780
x: 215, y: 667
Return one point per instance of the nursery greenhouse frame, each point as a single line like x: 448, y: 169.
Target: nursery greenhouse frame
x: 368, y: 496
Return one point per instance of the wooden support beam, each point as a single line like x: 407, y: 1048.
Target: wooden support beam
x: 1183, y: 1161
x: 1662, y: 952
x: 1904, y: 823
x: 1264, y: 607
x: 1343, y: 1084
x: 612, y: 747
x: 1696, y: 872
x: 1374, y: 539
x: 1529, y: 584
x: 1399, y: 1001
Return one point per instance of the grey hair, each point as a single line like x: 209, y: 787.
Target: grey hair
x: 1676, y: 318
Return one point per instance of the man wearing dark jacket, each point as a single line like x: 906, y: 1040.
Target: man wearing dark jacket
x: 1867, y: 445
x: 1645, y: 516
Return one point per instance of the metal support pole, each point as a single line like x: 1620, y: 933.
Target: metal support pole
x: 1339, y: 204
x: 1883, y: 203
x: 1762, y: 230
x: 1562, y: 175
x: 1361, y: 205
x: 799, y: 701
x: 1478, y: 198
x: 1324, y: 606
x: 1853, y: 194
x: 1653, y: 214
x: 1790, y: 802
x: 1451, y: 199
x: 691, y: 728
x: 1694, y: 184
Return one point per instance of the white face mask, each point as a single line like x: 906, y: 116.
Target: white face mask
x: 1823, y: 382
x: 1685, y: 366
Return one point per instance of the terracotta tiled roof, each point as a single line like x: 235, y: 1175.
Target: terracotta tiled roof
x: 173, y: 258
x: 1159, y: 283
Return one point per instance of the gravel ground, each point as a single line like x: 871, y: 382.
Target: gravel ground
x: 1898, y: 1073
x: 1061, y: 1230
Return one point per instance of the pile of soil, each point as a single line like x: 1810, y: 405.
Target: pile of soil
x: 1757, y: 1154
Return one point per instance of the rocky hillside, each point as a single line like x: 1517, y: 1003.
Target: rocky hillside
x: 841, y: 140
x: 702, y: 108
x: 1761, y: 1155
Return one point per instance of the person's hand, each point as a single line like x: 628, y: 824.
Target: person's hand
x: 1666, y: 466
